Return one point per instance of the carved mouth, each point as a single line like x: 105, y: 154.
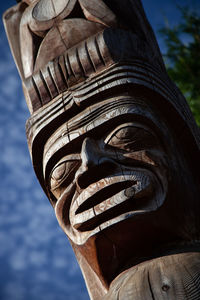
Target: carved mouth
x: 115, y: 199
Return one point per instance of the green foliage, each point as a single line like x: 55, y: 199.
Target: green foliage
x: 182, y: 57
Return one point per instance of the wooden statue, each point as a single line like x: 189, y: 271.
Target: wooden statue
x: 113, y: 144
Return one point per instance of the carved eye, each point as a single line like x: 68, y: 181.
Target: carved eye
x: 63, y: 172
x: 59, y: 172
x: 131, y: 138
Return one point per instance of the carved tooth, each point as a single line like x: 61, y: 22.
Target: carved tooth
x: 110, y: 203
x: 79, y: 219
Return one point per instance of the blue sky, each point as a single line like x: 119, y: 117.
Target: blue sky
x: 36, y: 259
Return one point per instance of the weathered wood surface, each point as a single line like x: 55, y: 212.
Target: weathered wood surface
x: 174, y: 277
x: 113, y: 144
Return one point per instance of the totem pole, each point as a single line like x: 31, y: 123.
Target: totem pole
x: 113, y: 144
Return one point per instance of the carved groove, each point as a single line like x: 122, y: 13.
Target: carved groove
x: 45, y: 99
x: 82, y: 71
x: 192, y: 284
x: 98, y: 51
x: 62, y: 74
x: 65, y: 65
x: 37, y: 91
x: 98, y: 112
x: 150, y: 288
x: 89, y: 57
x: 39, y: 120
x: 58, y: 76
x: 68, y: 66
x: 71, y: 72
x: 53, y: 82
x: 61, y: 61
x: 147, y: 76
x: 53, y: 75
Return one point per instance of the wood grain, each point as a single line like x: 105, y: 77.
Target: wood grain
x: 175, y: 277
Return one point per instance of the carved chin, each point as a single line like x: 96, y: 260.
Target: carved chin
x: 112, y: 200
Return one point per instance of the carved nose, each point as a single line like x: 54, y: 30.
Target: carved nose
x: 89, y: 153
x: 89, y: 158
x: 92, y: 157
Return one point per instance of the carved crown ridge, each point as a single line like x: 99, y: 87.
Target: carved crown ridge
x: 86, y: 60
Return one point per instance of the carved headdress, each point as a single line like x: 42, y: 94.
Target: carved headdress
x: 72, y: 53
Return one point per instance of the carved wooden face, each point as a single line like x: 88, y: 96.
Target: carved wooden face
x: 120, y: 182
x: 112, y: 168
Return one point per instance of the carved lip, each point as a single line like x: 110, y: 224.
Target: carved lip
x: 115, y: 199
